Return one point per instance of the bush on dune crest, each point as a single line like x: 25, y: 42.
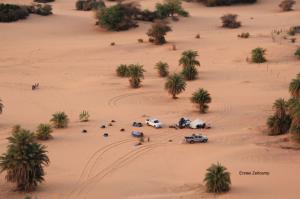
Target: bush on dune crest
x: 87, y: 5
x: 118, y: 17
x: 43, y: 1
x: 40, y: 9
x: 230, y: 21
x: 287, y: 5
x: 226, y: 2
x: 158, y: 31
x: 11, y: 12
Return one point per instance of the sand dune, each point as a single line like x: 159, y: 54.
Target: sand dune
x: 75, y: 65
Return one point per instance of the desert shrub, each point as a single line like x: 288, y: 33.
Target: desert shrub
x: 40, y: 9
x: 118, y: 17
x: 11, y: 12
x: 217, y: 179
x: 225, y: 2
x: 84, y: 116
x: 258, y: 55
x: 87, y: 5
x: 169, y: 8
x: 189, y: 63
x: 175, y: 84
x: 294, y: 87
x: 146, y: 15
x: 244, y: 35
x: 136, y: 73
x: 122, y: 70
x: 43, y: 1
x: 43, y: 132
x: 280, y: 122
x: 162, y: 68
x: 24, y: 160
x: 158, y: 31
x: 202, y: 98
x: 297, y: 53
x: 230, y: 21
x: 287, y: 5
x: 294, y: 30
x: 1, y: 106
x: 59, y: 120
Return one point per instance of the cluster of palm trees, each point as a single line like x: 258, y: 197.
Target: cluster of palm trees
x: 24, y: 160
x: 175, y: 82
x: 286, y: 117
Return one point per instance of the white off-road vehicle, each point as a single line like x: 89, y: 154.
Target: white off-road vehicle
x: 154, y: 122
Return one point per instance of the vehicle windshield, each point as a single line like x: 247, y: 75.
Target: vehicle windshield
x: 156, y: 121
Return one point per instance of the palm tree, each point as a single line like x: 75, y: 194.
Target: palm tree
x: 24, y: 161
x: 189, y: 63
x: 217, y: 179
x: 175, y: 84
x: 202, y: 98
x: 162, y: 68
x: 60, y: 120
x: 44, y: 131
x: 294, y: 110
x: 294, y: 87
x: 280, y: 122
x: 136, y: 73
x: 1, y: 106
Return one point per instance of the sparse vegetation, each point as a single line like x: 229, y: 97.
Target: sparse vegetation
x: 40, y: 9
x: 162, y: 68
x: 117, y: 17
x: 225, y: 2
x: 287, y: 5
x: 244, y: 35
x: 43, y: 1
x: 1, y: 106
x: 84, y: 116
x: 258, y: 55
x: 11, y: 12
x: 43, y: 132
x: 189, y: 63
x: 294, y: 110
x: 122, y: 70
x: 202, y: 98
x: 230, y: 21
x: 217, y: 179
x: 175, y: 84
x: 24, y: 161
x: 280, y: 122
x: 158, y: 31
x: 136, y: 73
x: 294, y: 87
x: 170, y: 8
x: 60, y: 120
x: 297, y: 53
x: 87, y: 5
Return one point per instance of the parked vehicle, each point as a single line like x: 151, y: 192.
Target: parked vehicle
x: 137, y: 134
x: 154, y: 122
x: 197, y: 124
x: 184, y: 123
x: 196, y: 138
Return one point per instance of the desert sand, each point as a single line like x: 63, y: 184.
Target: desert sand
x: 75, y: 65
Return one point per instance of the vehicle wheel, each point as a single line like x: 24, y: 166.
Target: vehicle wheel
x: 204, y: 141
x: 192, y: 142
